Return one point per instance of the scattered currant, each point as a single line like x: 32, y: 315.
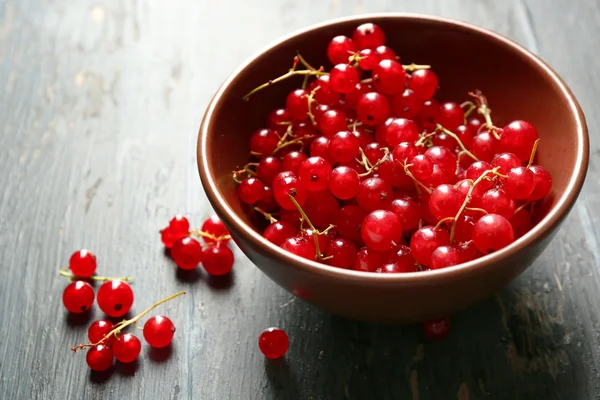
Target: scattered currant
x: 78, y: 297
x: 115, y: 298
x: 126, y: 348
x: 98, y: 329
x: 83, y: 263
x: 99, y: 358
x: 187, y: 253
x: 273, y: 343
x: 217, y: 260
x: 159, y: 331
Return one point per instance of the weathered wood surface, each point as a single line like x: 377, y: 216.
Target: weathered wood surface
x: 100, y: 102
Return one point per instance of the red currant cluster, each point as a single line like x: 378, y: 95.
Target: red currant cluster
x: 115, y: 298
x: 187, y: 252
x: 364, y: 170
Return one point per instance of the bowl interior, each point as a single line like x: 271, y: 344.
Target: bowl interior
x: 464, y: 58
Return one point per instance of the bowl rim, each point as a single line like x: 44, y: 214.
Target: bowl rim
x: 536, y: 234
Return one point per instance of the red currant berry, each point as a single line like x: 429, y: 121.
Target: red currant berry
x: 422, y: 167
x: 402, y: 259
x: 159, y: 331
x: 464, y: 227
x: 343, y: 78
x: 267, y: 169
x: 273, y: 343
x: 428, y: 115
x: 167, y: 237
x: 404, y: 153
x: 264, y: 141
x: 331, y: 122
x: 344, y: 147
x: 475, y: 171
x: 438, y: 177
x: 492, y: 232
x: 451, y: 115
x: 484, y: 146
x: 320, y: 148
x: 351, y: 99
x: 425, y: 212
x: 83, y: 263
x: 406, y: 104
x: 283, y: 187
x: 342, y: 253
x: 322, y: 208
x: 374, y: 193
x: 373, y: 152
x: 349, y: 222
x: 442, y: 139
x: 436, y: 329
x: 389, y: 77
x: 279, y: 231
x: 126, y: 348
x: 393, y: 173
x: 543, y: 182
x: 505, y: 162
x: 519, y: 183
x: 267, y: 204
x: 217, y: 260
x: 367, y: 59
x: 521, y: 223
x: 364, y: 137
x: 278, y: 120
x: 297, y: 105
x: 340, y: 49
x: 385, y: 53
x: 187, y: 253
x: 424, y: 83
x: 408, y: 212
x: 445, y: 256
x: 443, y: 157
x: 115, y: 298
x: 368, y: 36
x: 344, y: 182
x: 314, y: 172
x: 445, y: 201
x: 465, y: 135
x: 325, y: 93
x: 292, y: 161
x: 425, y: 240
x: 99, y: 358
x: 373, y: 108
x: 78, y: 297
x: 497, y: 201
x: 368, y: 260
x: 468, y: 252
x: 518, y: 137
x: 401, y: 130
x: 381, y: 230
x: 214, y: 226
x: 99, y: 329
x: 251, y: 190
x: 300, y: 246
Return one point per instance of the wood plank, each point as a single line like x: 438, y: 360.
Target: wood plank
x: 100, y: 104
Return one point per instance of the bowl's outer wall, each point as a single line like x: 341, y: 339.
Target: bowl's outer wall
x: 464, y: 60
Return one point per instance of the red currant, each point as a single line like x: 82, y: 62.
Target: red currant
x: 368, y: 260
x: 381, y: 230
x: 297, y: 105
x: 484, y: 146
x: 292, y: 161
x: 342, y: 252
x: 273, y: 343
x: 289, y: 186
x: 402, y: 259
x: 445, y: 201
x: 279, y: 231
x: 343, y: 78
x: 368, y: 36
x: 497, y: 201
x: 217, y: 260
x: 214, y: 226
x: 436, y: 329
x: 543, y: 182
x: 518, y: 137
x: 267, y: 169
x: 445, y: 256
x: 251, y: 190
x: 159, y: 331
x: 344, y: 147
x: 425, y: 240
x: 521, y: 223
x: 408, y: 212
x: 423, y: 83
x: 519, y: 183
x: 505, y: 162
x: 78, y: 297
x: 300, y: 246
x: 349, y: 222
x: 405, y: 104
x: 344, y: 182
x: 187, y: 253
x: 126, y: 348
x: 443, y: 157
x: 99, y: 329
x: 115, y: 298
x: 264, y: 141
x: 492, y: 232
x: 325, y: 93
x: 278, y: 120
x: 83, y: 263
x: 401, y: 130
x: 340, y: 49
x: 372, y: 108
x: 99, y: 358
x: 374, y: 193
x: 314, y: 172
x: 451, y: 115
x: 331, y: 122
x: 389, y: 77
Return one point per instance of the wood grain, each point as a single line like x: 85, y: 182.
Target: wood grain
x: 100, y: 102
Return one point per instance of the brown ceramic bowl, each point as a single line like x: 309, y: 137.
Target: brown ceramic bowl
x: 518, y: 86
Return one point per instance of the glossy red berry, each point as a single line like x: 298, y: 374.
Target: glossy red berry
x: 348, y: 222
x: 331, y: 122
x: 292, y: 161
x: 179, y: 226
x: 214, y: 226
x: 445, y: 256
x: 267, y: 169
x: 115, y: 298
x: 297, y: 105
x: 314, y: 172
x: 159, y: 331
x: 367, y: 59
x: 492, y: 232
x: 340, y: 49
x: 368, y: 36
x: 425, y: 240
x: 325, y: 93
x: 263, y: 141
x: 497, y: 201
x: 443, y: 157
x: 99, y: 358
x: 389, y: 77
x: 543, y: 182
x: 428, y: 115
x: 251, y: 190
x: 372, y: 108
x: 187, y: 253
x: 518, y: 137
x: 278, y: 120
x: 422, y: 167
x: 521, y: 223
x: 368, y: 260
x: 344, y: 182
x: 126, y: 348
x: 405, y: 152
x: 381, y: 230
x: 506, y: 162
x: 217, y: 260
x: 451, y: 115
x: 343, y: 78
x: 405, y: 104
x: 99, y: 329
x: 342, y: 252
x: 374, y: 193
x: 408, y: 212
x: 423, y: 83
x: 83, y: 263
x: 344, y: 147
x: 401, y: 130
x: 279, y: 231
x: 78, y: 297
x: 484, y: 146
x: 445, y: 201
x: 519, y: 183
x: 287, y: 186
x: 402, y: 260
x: 384, y: 53
x: 273, y: 343
x: 436, y: 329
x: 300, y: 246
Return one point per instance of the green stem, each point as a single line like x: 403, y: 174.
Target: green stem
x: 63, y: 272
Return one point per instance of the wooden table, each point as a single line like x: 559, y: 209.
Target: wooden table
x: 100, y: 102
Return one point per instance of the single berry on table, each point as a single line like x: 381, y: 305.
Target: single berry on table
x: 159, y: 331
x: 83, y: 263
x: 273, y: 343
x: 78, y: 297
x: 115, y: 298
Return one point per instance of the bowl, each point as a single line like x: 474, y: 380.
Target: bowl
x: 518, y: 85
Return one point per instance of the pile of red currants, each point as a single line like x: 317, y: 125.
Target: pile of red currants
x: 363, y: 169
x: 115, y: 298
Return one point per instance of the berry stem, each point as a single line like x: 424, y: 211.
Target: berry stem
x: 414, y: 67
x: 200, y: 233
x: 455, y: 137
x: 470, y: 106
x: 245, y: 170
x: 63, y: 272
x: 282, y: 78
x: 311, y: 100
x: 533, y: 151
x: 367, y: 164
x: 316, y: 233
x: 483, y: 109
x: 123, y: 324
x: 481, y: 210
x: 467, y: 200
x: 304, y: 62
x: 424, y: 138
x: 265, y: 214
x: 522, y: 206
x: 415, y: 180
x: 442, y: 221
